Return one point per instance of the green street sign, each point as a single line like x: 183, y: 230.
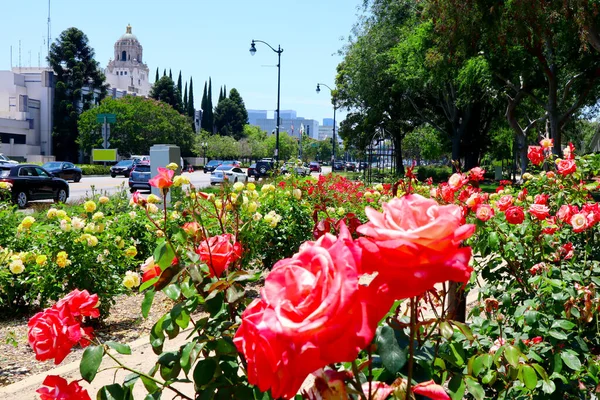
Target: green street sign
x: 109, y: 118
x: 104, y: 155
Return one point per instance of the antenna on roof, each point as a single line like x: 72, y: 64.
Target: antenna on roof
x: 48, y: 43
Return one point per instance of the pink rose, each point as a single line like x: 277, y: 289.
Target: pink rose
x: 80, y: 304
x: 504, y: 202
x: 476, y: 174
x: 484, y: 212
x: 312, y: 313
x: 540, y: 211
x: 59, y: 389
x: 164, y: 178
x: 566, y: 167
x: 219, y: 252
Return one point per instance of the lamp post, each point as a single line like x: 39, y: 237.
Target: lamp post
x: 278, y: 51
x: 204, y: 146
x: 333, y: 136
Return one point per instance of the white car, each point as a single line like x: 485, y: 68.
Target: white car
x: 227, y: 172
x: 6, y: 160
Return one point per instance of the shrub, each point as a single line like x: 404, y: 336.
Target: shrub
x: 94, y: 169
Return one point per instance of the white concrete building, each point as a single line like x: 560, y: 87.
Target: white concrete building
x: 127, y: 71
x: 26, y: 101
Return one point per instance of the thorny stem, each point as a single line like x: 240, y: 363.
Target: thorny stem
x: 356, y: 381
x: 157, y: 381
x: 370, y: 377
x: 411, y: 346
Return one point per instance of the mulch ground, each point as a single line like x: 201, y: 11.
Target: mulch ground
x: 125, y: 324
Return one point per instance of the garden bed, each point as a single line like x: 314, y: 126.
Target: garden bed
x: 125, y: 324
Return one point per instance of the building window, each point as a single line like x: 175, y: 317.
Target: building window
x: 139, y: 82
x: 124, y: 56
x: 125, y: 72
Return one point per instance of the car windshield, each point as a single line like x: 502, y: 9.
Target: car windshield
x: 213, y: 162
x: 124, y: 163
x: 4, y: 158
x: 51, y: 165
x: 224, y: 168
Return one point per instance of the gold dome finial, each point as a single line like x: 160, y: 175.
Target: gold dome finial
x: 128, y: 28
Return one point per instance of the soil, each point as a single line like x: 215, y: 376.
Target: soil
x: 125, y: 324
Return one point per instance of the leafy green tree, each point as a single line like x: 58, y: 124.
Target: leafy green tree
x: 72, y: 60
x: 231, y: 115
x: 166, y: 91
x: 288, y: 146
x: 140, y: 124
x: 190, y: 106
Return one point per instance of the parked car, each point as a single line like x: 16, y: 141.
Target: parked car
x: 229, y: 173
x: 32, y: 182
x: 6, y: 160
x: 139, y: 177
x: 350, y: 166
x: 363, y: 165
x: 251, y: 172
x: 235, y: 163
x: 314, y: 166
x: 338, y: 166
x: 263, y: 168
x: 123, y: 167
x: 300, y: 169
x: 211, y: 165
x: 64, y: 170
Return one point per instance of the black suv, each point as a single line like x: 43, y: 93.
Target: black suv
x: 263, y: 168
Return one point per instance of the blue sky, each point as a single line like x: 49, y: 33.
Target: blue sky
x: 204, y: 38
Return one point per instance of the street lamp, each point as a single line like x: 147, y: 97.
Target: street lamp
x: 278, y: 51
x: 333, y: 136
x: 204, y: 146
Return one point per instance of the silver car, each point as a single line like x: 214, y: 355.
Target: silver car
x: 227, y: 172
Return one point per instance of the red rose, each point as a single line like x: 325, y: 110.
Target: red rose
x: 431, y: 390
x: 80, y: 303
x: 541, y: 199
x: 476, y: 174
x: 514, y: 215
x: 505, y: 202
x: 540, y: 211
x: 219, y: 252
x: 414, y: 244
x: 164, y: 178
x: 52, y: 333
x: 60, y: 389
x: 535, y: 154
x: 312, y: 313
x: 565, y: 212
x: 566, y: 167
x: 537, y: 340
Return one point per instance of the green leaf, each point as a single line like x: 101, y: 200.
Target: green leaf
x: 392, y: 356
x: 188, y: 289
x: 479, y: 364
x: 215, y: 304
x: 172, y: 291
x: 186, y: 353
x: 149, y: 384
x: 557, y: 334
x: 457, y: 387
x: 111, y: 392
x: 489, y: 378
x: 563, y: 324
x: 130, y: 380
x: 446, y: 330
x: 529, y: 377
x: 204, y: 372
x: 119, y: 347
x: 147, y: 302
x: 225, y: 346
x: 163, y: 255
x: 464, y: 329
x: 475, y: 388
x: 571, y: 360
x: 90, y: 362
x: 493, y: 240
x: 512, y: 355
x: 541, y: 371
x: 458, y: 354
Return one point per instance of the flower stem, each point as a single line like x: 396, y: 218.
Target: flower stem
x: 411, y: 345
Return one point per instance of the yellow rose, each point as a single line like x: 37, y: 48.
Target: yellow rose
x: 27, y: 222
x: 41, y: 259
x: 61, y: 214
x: 252, y: 206
x: 257, y: 217
x: 89, y: 206
x: 62, y: 260
x: 119, y: 242
x: 218, y: 204
x: 103, y: 200
x: 238, y: 186
x: 180, y: 180
x: 131, y: 251
x: 16, y: 266
x: 131, y: 279
x: 172, y: 166
x: 154, y: 199
x: 51, y: 212
x: 297, y: 194
x: 100, y: 227
x: 65, y: 226
x: 152, y: 209
x: 92, y: 241
x: 5, y: 185
x: 251, y: 186
x: 98, y: 215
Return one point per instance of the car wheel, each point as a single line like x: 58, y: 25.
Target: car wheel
x: 21, y: 199
x: 61, y: 196
x: 126, y: 174
x: 262, y: 170
x: 77, y: 178
x: 113, y: 175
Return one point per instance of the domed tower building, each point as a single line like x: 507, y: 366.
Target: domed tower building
x: 127, y: 70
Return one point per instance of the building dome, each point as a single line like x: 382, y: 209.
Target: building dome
x: 128, y: 35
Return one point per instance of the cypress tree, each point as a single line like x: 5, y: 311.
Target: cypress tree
x: 170, y: 74
x: 185, y: 99
x: 156, y: 78
x: 191, y: 108
x: 204, y: 106
x: 180, y: 90
x: 209, y: 106
x: 165, y: 72
x: 224, y: 91
x: 220, y: 95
